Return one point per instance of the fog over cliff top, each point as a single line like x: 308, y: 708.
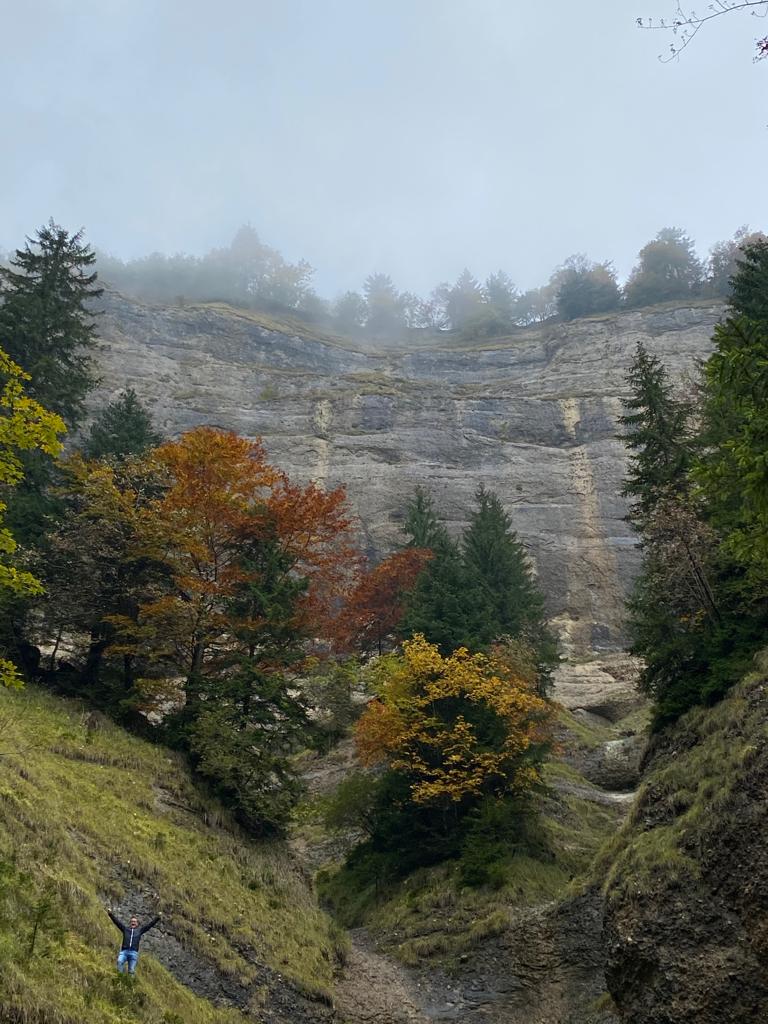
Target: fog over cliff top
x: 412, y: 138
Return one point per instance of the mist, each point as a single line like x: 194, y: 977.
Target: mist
x: 411, y: 139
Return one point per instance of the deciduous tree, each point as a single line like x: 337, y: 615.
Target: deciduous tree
x: 374, y: 609
x: 25, y: 426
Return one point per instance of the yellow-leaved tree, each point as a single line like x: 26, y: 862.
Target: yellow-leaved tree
x: 458, y: 728
x: 24, y: 426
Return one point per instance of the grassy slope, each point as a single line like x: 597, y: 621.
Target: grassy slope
x: 90, y: 817
x: 706, y: 757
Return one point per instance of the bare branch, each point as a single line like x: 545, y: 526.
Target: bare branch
x: 685, y: 24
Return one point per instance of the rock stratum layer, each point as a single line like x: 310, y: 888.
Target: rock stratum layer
x: 532, y: 416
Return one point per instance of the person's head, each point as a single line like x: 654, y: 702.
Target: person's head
x: 134, y: 922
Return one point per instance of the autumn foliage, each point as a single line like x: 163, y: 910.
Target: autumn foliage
x: 242, y: 545
x: 457, y: 727
x: 376, y: 605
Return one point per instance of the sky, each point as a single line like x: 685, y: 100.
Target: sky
x: 413, y: 137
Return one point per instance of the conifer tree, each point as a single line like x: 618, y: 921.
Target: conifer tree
x: 495, y: 557
x: 45, y: 322
x: 48, y: 329
x: 656, y: 435
x: 749, y: 286
x: 422, y: 526
x: 449, y: 605
x: 122, y: 428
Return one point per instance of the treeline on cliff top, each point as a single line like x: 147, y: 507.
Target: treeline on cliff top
x: 189, y: 589
x: 252, y: 274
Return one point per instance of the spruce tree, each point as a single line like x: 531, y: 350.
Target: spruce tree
x: 122, y: 428
x: 47, y: 328
x: 656, y: 435
x: 422, y: 526
x: 493, y: 552
x: 449, y: 605
x: 45, y: 324
x: 749, y: 285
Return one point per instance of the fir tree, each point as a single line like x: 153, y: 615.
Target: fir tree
x: 44, y: 320
x: 122, y: 428
x: 656, y: 435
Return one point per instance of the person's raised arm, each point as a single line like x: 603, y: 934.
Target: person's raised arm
x: 115, y: 920
x: 151, y: 924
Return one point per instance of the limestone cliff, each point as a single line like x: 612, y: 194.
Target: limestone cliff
x: 532, y: 416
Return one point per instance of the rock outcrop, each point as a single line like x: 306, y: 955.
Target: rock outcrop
x: 686, y: 918
x: 532, y: 416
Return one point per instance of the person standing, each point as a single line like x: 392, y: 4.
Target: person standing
x: 132, y: 935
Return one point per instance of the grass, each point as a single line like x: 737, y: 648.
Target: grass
x: 430, y: 917
x: 688, y: 793
x: 90, y: 817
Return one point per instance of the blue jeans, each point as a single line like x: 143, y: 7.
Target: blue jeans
x: 129, y: 956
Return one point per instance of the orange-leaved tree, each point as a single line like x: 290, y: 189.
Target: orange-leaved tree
x: 458, y: 728
x: 375, y: 606
x: 252, y: 561
x: 253, y: 564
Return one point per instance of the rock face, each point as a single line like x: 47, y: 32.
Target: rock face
x: 532, y: 417
x: 686, y: 919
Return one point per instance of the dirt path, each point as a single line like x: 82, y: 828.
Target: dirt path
x: 374, y: 989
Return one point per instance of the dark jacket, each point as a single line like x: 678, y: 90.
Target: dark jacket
x: 131, y: 936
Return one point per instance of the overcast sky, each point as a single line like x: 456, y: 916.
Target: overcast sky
x: 409, y: 136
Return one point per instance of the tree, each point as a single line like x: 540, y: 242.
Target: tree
x: 724, y: 260
x: 584, y: 288
x: 102, y: 557
x: 685, y: 24
x: 668, y: 268
x: 349, y: 312
x: 25, y: 426
x: 422, y: 526
x: 449, y: 604
x: 733, y: 471
x: 373, y: 610
x: 657, y: 435
x: 450, y: 736
x: 384, y: 312
x: 493, y: 554
x: 122, y: 428
x: 463, y: 300
x: 536, y: 305
x: 242, y: 742
x: 749, y: 295
x: 45, y: 318
x: 501, y: 295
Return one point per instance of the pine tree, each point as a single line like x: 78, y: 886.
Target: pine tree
x: 44, y: 320
x: 657, y: 436
x: 122, y: 428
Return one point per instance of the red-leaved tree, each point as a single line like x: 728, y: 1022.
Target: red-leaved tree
x: 373, y: 609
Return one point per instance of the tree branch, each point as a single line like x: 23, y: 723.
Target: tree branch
x: 686, y: 25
